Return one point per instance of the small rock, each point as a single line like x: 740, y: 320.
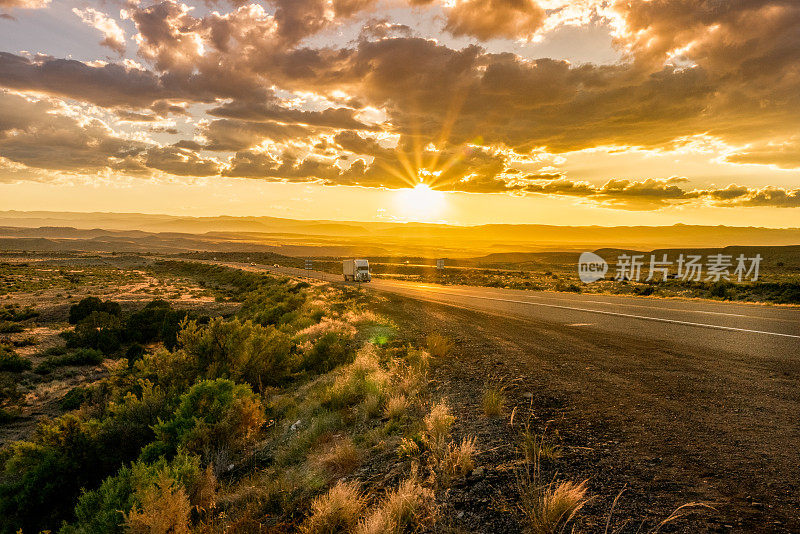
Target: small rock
x: 295, y: 425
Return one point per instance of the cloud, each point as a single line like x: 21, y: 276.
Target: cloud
x: 276, y: 93
x: 181, y: 162
x: 113, y: 35
x: 24, y: 4
x: 783, y: 154
x: 490, y: 19
x: 773, y: 197
x: 39, y: 135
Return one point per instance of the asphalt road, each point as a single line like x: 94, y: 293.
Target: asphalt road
x: 745, y: 329
x: 702, y: 395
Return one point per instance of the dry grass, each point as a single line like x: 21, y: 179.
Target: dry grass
x: 406, y: 509
x: 536, y: 447
x: 439, y: 346
x: 338, y: 510
x: 165, y: 509
x: 437, y: 425
x: 549, y: 509
x: 396, y: 407
x: 458, y: 461
x: 408, y: 448
x: 494, y: 402
x: 339, y: 457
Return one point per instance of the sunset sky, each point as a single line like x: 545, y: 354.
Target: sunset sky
x: 459, y: 111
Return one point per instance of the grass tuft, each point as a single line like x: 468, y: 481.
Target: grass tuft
x: 396, y: 407
x: 458, y: 460
x: 407, y: 509
x: 536, y: 447
x: 437, y: 425
x: 494, y: 402
x: 338, y: 510
x: 549, y: 509
x: 439, y: 346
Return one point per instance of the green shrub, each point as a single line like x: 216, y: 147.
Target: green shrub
x: 156, y: 322
x: 11, y: 312
x: 74, y: 398
x: 7, y: 327
x: 104, y: 509
x: 99, y: 330
x: 80, y: 311
x: 331, y: 350
x: 241, y: 351
x: 42, y: 478
x: 213, y: 416
x: 8, y: 416
x: 11, y: 361
x: 76, y: 357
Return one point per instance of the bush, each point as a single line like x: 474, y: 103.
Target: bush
x: 330, y: 351
x: 42, y: 478
x: 80, y: 311
x: 134, y: 353
x: 11, y: 361
x: 11, y: 312
x: 76, y: 357
x: 214, y: 416
x: 241, y: 351
x: 99, y: 330
x: 7, y: 327
x: 74, y: 398
x: 156, y: 322
x: 179, y: 485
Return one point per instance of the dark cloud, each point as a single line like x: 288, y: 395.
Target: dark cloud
x: 785, y: 155
x: 271, y: 112
x: 34, y: 134
x: 180, y: 161
x: 774, y: 197
x: 108, y: 85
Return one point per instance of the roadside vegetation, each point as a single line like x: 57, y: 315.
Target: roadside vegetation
x: 778, y: 284
x: 271, y: 418
x: 222, y: 400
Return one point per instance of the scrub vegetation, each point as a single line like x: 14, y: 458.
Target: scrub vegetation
x: 270, y: 418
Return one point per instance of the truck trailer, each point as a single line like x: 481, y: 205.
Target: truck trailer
x: 356, y: 270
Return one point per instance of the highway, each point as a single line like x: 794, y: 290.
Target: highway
x: 700, y: 397
x: 739, y: 328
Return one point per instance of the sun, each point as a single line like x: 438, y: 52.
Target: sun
x: 420, y: 203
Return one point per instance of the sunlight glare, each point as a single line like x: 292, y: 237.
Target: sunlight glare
x: 420, y: 203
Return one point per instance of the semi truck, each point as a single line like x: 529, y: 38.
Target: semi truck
x: 356, y: 270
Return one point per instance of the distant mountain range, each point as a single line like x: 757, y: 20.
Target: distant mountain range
x: 132, y: 232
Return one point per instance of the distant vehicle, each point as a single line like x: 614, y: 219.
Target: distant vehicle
x: 356, y: 270
x: 252, y: 263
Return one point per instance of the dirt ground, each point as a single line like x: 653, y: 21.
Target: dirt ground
x: 668, y: 428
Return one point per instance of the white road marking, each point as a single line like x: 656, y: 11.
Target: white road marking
x: 625, y: 304
x: 580, y: 324
x: 644, y: 317
x: 615, y: 314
